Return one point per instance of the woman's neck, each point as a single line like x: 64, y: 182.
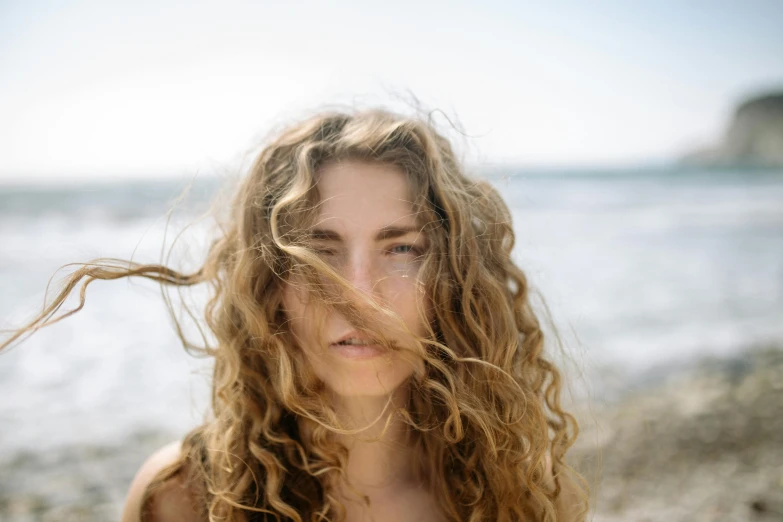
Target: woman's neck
x: 380, y: 456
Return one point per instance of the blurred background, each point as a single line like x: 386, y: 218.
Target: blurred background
x: 639, y: 146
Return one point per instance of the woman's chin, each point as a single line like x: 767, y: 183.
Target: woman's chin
x: 366, y: 382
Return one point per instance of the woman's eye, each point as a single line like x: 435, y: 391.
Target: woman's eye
x: 403, y: 249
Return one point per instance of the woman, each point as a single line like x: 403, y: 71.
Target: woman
x: 376, y: 355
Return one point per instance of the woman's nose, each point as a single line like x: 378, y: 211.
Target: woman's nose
x: 362, y: 274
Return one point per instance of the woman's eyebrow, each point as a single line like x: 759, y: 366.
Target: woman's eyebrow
x: 390, y: 232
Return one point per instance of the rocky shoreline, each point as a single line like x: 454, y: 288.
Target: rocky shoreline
x: 73, y: 483
x: 704, y: 444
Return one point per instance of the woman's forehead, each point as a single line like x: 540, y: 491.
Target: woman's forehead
x: 364, y: 194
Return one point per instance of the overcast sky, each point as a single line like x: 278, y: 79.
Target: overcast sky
x: 99, y: 89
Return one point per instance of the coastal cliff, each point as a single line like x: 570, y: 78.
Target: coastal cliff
x: 754, y: 136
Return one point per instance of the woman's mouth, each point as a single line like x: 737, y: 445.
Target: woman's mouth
x: 356, y: 348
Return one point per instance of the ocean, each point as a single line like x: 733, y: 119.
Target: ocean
x: 643, y: 271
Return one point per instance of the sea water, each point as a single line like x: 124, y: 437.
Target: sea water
x: 640, y: 269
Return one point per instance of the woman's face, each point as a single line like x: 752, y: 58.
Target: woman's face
x: 367, y: 230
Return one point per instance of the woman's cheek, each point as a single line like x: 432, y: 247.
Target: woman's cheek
x: 407, y: 298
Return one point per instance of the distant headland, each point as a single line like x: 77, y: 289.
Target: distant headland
x: 754, y: 137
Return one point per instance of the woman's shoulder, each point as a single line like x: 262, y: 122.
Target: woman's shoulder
x: 171, y: 503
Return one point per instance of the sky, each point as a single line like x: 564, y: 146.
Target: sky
x: 98, y: 90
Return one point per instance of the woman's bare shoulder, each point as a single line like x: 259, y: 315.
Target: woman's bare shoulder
x: 171, y: 503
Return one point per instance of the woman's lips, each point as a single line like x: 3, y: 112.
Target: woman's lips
x: 357, y: 351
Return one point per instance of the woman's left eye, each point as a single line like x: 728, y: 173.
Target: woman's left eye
x: 403, y: 249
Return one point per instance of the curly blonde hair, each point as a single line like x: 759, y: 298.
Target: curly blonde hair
x: 486, y: 416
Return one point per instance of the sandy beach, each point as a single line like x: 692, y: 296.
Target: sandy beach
x: 704, y: 443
